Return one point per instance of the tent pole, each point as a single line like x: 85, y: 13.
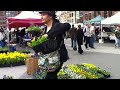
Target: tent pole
x: 101, y: 40
x: 101, y: 30
x: 8, y: 36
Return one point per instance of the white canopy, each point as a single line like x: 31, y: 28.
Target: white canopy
x: 106, y: 21
x: 115, y: 19
x: 26, y: 15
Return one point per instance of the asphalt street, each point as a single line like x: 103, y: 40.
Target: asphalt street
x: 105, y: 56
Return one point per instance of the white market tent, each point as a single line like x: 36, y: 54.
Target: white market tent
x: 115, y: 19
x: 106, y: 21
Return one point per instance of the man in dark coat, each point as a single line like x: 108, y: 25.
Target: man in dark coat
x: 80, y: 36
x: 55, y: 29
x: 72, y: 33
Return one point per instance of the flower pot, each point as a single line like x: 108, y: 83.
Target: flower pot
x: 4, y: 51
x: 5, y: 65
x: 26, y: 52
x: 18, y: 64
x: 106, y: 76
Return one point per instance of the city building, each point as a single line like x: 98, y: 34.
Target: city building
x: 4, y: 15
x: 11, y: 13
x: 88, y: 15
x: 2, y: 19
x: 66, y: 16
x: 79, y: 16
x: 70, y: 16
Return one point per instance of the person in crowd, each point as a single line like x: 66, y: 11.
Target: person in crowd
x: 17, y: 34
x: 4, y: 36
x: 87, y: 35
x: 21, y: 36
x: 80, y: 36
x: 92, y: 38
x: 55, y: 29
x: 117, y: 34
x: 1, y: 38
x: 72, y: 33
x: 10, y: 35
x: 84, y: 29
x: 97, y: 31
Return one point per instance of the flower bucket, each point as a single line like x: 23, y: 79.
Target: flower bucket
x: 12, y: 48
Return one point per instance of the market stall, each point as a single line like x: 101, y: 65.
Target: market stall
x: 24, y: 19
x: 113, y: 20
x: 97, y: 19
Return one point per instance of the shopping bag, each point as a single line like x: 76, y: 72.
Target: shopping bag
x: 32, y: 65
x: 49, y: 62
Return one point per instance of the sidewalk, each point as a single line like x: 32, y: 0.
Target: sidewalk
x: 104, y: 56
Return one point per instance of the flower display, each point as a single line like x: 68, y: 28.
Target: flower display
x: 12, y: 58
x: 4, y: 49
x: 82, y: 71
x: 38, y: 41
x: 34, y: 28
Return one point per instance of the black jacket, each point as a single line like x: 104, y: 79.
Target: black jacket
x: 73, y: 32
x: 80, y: 36
x: 57, y: 31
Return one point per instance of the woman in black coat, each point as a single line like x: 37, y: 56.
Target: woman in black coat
x: 55, y: 29
x: 80, y: 36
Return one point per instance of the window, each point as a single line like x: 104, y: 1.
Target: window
x: 99, y: 13
x: 105, y: 14
x: 1, y: 12
x: 110, y: 13
x: 72, y: 14
x: 89, y: 16
x: 86, y: 16
x: 69, y: 15
x: 95, y: 14
x: 72, y: 20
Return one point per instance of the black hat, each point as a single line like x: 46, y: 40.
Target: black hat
x: 51, y: 13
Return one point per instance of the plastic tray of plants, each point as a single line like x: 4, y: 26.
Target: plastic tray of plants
x: 82, y: 71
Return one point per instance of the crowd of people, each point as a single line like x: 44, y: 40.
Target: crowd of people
x: 86, y: 35
x: 17, y: 36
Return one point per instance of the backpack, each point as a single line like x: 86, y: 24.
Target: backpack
x: 118, y: 34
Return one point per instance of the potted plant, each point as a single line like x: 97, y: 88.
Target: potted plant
x: 4, y: 50
x: 12, y: 59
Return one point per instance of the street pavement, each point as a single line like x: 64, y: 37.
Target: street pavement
x: 105, y: 56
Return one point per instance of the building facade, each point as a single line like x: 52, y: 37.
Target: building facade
x: 79, y: 16
x: 67, y: 16
x: 88, y: 15
x: 70, y: 16
x: 2, y: 19
x: 4, y: 15
x: 11, y: 13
